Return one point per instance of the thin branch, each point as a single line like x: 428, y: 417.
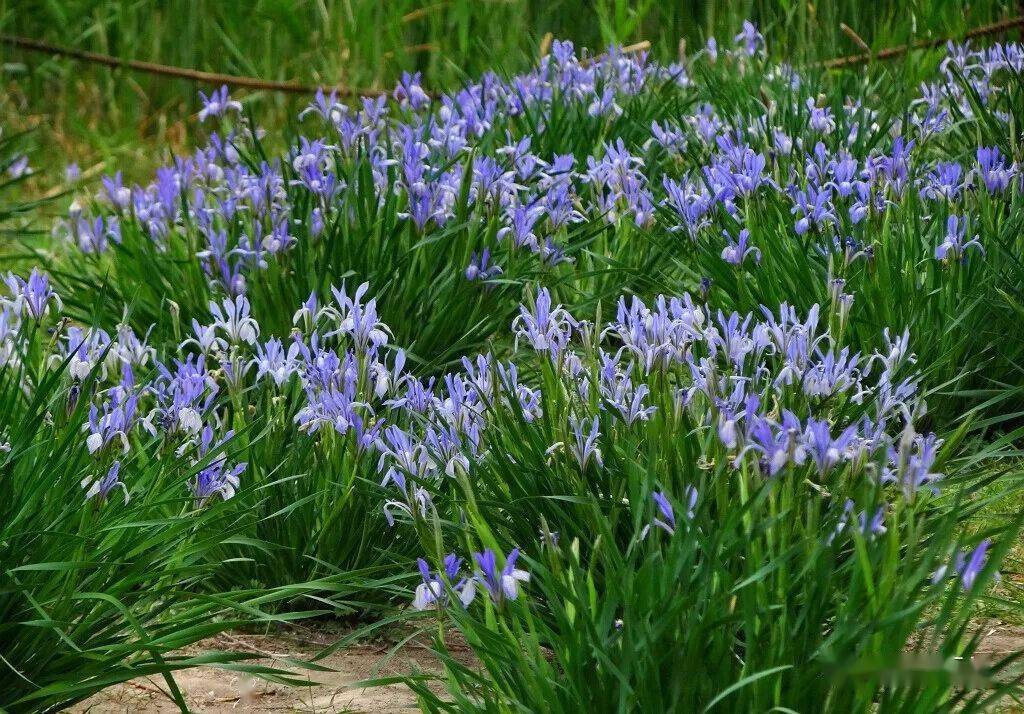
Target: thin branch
x: 196, y: 75
x: 216, y: 78
x: 892, y: 52
x: 545, y: 44
x: 857, y: 39
x: 422, y: 11
x: 635, y: 48
x: 422, y: 47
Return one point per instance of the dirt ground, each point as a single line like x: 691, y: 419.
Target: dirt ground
x: 215, y: 691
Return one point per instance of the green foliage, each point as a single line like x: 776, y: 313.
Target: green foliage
x: 772, y: 595
x: 747, y: 606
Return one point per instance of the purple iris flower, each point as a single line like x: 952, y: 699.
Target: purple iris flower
x: 876, y: 526
x: 691, y: 202
x: 316, y: 222
x: 521, y: 221
x: 116, y: 422
x: 119, y: 195
x: 479, y: 268
x: 966, y: 566
x: 670, y: 137
x: 327, y: 107
x: 737, y: 171
x: 273, y: 361
x: 216, y: 478
x: 896, y: 167
x: 778, y: 444
x: 552, y: 254
x: 529, y: 400
x: 526, y: 162
x: 546, y: 328
x: 736, y: 252
x: 407, y: 452
x: 409, y: 92
x: 493, y: 184
x: 357, y: 319
x: 500, y: 584
x: 101, y: 487
x: 868, y: 528
x: 604, y: 104
x: 433, y: 591
x: 866, y: 202
x: 415, y: 499
x: 232, y: 316
x: 665, y: 517
x: 944, y: 182
x: 911, y: 462
x: 309, y: 310
x: 19, y: 167
x: 821, y: 119
x: 182, y: 395
x: 993, y: 169
x: 584, y: 446
x: 322, y: 183
x: 711, y: 49
x: 217, y: 104
x: 92, y: 235
x: 815, y: 209
x: 418, y: 398
x: 333, y: 406
x: 34, y: 295
x: 844, y: 175
x: 626, y: 400
x: 825, y: 451
x: 831, y: 373
x: 751, y: 40
x: 954, y: 246
x: 559, y: 204
x: 782, y: 142
x: 974, y: 564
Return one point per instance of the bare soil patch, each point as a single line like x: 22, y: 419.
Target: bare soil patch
x: 215, y: 691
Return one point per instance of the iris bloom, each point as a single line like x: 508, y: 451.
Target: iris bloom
x: 966, y: 566
x: 954, y: 246
x: 217, y: 104
x: 101, y: 487
x: 737, y: 252
x: 433, y: 591
x: 500, y: 584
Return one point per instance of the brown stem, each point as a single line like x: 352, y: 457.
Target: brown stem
x: 216, y: 78
x: 27, y: 43
x: 857, y: 39
x: 31, y: 45
x: 892, y: 52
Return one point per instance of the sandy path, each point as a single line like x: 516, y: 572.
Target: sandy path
x: 216, y: 691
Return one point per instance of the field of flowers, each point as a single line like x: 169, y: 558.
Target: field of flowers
x: 669, y: 387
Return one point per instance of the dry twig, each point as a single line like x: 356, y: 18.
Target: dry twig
x: 892, y: 52
x: 217, y: 78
